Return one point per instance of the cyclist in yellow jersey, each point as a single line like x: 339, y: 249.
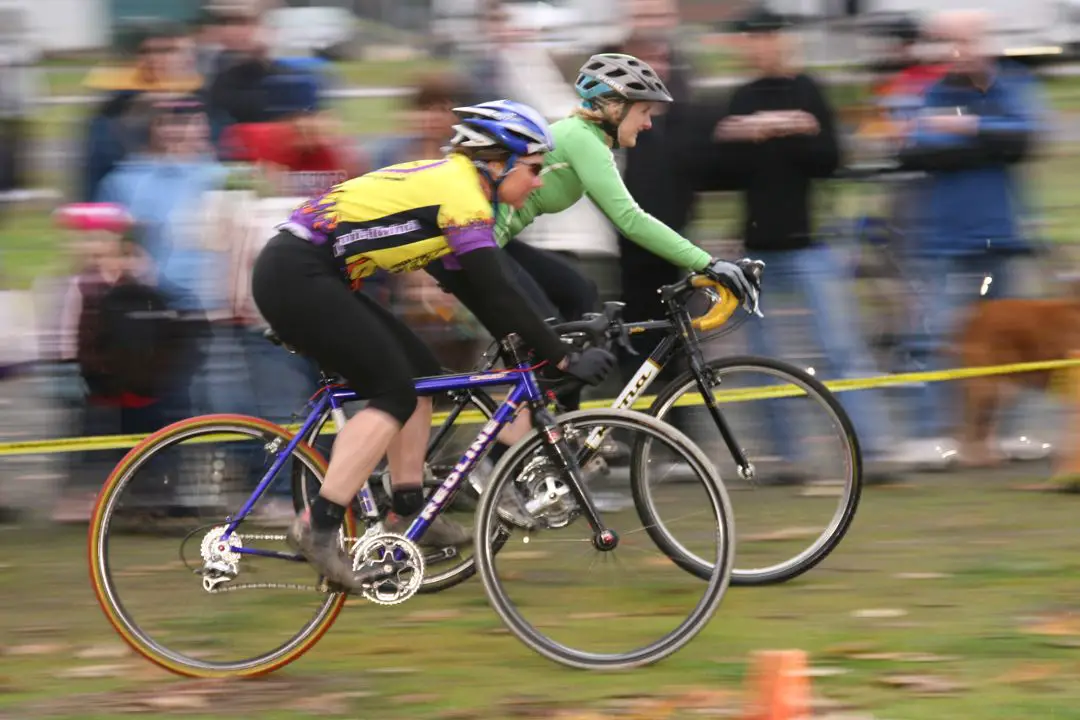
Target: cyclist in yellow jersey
x: 400, y: 219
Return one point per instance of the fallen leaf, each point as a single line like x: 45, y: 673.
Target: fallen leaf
x: 392, y: 671
x: 459, y: 715
x: 320, y: 705
x: 36, y: 649
x: 526, y: 706
x: 95, y: 671
x: 1067, y: 625
x: 793, y: 533
x: 904, y: 657
x: 39, y: 630
x: 877, y: 613
x: 705, y: 699
x: 102, y: 652
x: 821, y: 587
x: 824, y: 707
x: 1062, y: 642
x: 177, y: 701
x: 641, y: 707
x: 825, y: 671
x: 849, y: 649
x: 922, y: 684
x: 1030, y: 673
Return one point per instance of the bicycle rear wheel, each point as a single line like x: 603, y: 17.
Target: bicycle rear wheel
x: 212, y: 460
x: 530, y: 479
x: 771, y: 524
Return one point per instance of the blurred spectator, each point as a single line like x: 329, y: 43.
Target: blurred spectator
x: 778, y: 138
x: 301, y: 149
x: 904, y: 74
x: 487, y: 63
x: 976, y: 125
x: 128, y: 358
x: 650, y: 170
x: 19, y: 81
x: 428, y: 118
x: 206, y: 31
x: 237, y: 90
x: 163, y: 188
x: 119, y: 125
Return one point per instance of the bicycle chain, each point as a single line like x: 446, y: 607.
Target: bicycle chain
x: 270, y: 585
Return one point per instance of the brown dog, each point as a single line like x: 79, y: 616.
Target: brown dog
x: 1000, y: 332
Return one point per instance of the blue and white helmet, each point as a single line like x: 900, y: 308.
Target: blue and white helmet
x: 514, y: 126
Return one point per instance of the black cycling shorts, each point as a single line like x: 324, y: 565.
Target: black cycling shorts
x: 304, y: 298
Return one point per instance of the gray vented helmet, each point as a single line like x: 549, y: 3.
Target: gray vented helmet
x: 613, y: 75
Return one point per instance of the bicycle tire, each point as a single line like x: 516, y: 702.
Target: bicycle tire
x: 105, y: 590
x: 432, y: 582
x: 487, y: 515
x: 805, y: 561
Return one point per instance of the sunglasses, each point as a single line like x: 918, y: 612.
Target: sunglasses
x: 534, y: 168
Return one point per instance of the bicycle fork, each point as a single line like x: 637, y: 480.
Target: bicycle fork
x: 561, y: 453
x: 705, y: 381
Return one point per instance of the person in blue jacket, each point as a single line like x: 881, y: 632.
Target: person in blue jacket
x: 976, y: 126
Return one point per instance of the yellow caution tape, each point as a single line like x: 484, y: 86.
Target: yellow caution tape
x: 762, y: 392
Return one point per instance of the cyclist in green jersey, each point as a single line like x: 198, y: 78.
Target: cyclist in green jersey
x: 618, y: 95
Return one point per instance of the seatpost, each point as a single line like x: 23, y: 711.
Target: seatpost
x: 512, y: 347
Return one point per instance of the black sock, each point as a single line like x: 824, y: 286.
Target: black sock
x: 326, y: 515
x: 408, y: 501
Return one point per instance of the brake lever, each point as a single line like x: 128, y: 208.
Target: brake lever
x: 623, y: 339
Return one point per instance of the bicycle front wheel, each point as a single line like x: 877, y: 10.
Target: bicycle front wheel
x: 531, y: 484
x: 804, y: 489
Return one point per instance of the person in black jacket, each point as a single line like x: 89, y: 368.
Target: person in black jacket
x: 777, y: 140
x: 652, y: 176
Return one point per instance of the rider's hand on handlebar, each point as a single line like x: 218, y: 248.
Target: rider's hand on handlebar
x: 742, y: 278
x: 590, y: 366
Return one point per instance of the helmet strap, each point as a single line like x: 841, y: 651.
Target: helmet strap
x: 495, y: 182
x: 609, y: 126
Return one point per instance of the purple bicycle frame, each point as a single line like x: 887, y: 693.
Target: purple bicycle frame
x: 525, y: 390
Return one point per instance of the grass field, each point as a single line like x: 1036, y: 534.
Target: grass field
x: 951, y: 597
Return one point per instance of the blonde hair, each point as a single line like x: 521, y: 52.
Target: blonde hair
x: 596, y: 115
x: 589, y: 114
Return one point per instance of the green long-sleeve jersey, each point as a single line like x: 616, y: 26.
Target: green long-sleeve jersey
x: 583, y: 164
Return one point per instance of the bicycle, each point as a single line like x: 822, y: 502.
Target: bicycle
x: 684, y: 338
x: 226, y: 550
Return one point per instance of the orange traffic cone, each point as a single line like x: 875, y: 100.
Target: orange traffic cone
x: 780, y: 686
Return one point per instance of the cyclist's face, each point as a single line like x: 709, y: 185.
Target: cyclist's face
x: 637, y: 119
x: 522, y: 180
